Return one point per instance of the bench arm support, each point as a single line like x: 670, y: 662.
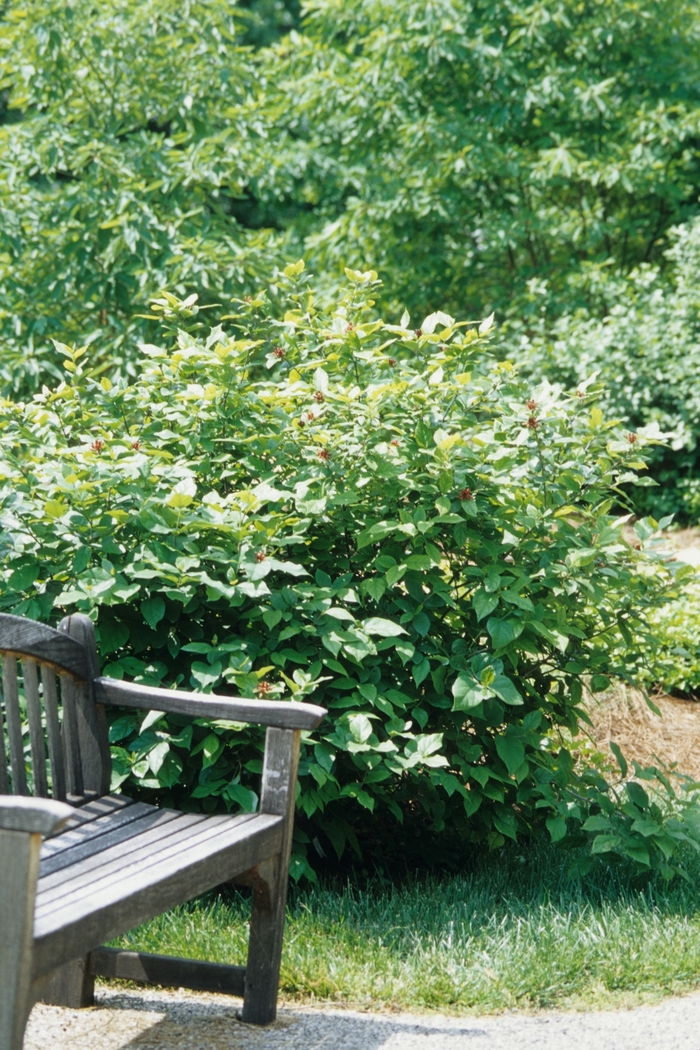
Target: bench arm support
x: 23, y: 821
x: 277, y: 713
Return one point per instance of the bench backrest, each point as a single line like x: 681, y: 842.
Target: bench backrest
x: 53, y: 736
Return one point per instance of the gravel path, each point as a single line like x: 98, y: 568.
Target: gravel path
x: 184, y: 1021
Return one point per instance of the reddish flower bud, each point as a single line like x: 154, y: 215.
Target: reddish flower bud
x: 310, y: 416
x: 392, y: 362
x: 395, y: 442
x: 279, y: 351
x: 531, y: 405
x: 632, y: 438
x: 532, y: 423
x: 97, y: 445
x: 136, y: 445
x: 466, y: 494
x: 318, y: 396
x: 260, y: 556
x: 418, y: 333
x: 264, y: 688
x: 349, y: 327
x: 324, y: 454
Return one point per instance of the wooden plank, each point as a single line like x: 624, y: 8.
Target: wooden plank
x: 14, y: 725
x: 122, y: 826
x: 69, y: 736
x: 19, y: 861
x: 92, y: 810
x: 24, y: 637
x: 112, y: 908
x: 144, y: 849
x: 147, y: 837
x: 36, y: 730
x: 4, y: 782
x: 279, y: 713
x: 91, y: 723
x: 269, y: 881
x: 168, y: 971
x: 53, y: 732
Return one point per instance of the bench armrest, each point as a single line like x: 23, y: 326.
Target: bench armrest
x: 277, y: 713
x: 33, y: 815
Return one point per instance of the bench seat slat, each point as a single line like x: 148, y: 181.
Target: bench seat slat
x: 85, y: 814
x: 145, y: 842
x: 108, y: 832
x: 118, y: 900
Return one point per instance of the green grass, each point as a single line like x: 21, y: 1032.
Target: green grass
x: 515, y: 933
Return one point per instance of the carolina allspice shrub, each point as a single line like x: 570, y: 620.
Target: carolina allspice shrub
x: 380, y: 517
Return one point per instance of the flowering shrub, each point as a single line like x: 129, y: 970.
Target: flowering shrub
x: 376, y: 514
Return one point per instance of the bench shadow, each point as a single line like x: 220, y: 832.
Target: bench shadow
x: 213, y: 1023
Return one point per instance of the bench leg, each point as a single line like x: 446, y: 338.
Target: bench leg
x: 69, y: 985
x: 262, y: 972
x: 19, y: 868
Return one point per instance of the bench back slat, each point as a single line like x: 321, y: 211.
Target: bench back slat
x: 74, y: 773
x: 4, y: 783
x: 13, y: 719
x: 53, y: 694
x: 30, y: 673
x: 53, y: 731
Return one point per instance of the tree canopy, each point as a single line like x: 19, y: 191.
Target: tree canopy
x: 463, y: 149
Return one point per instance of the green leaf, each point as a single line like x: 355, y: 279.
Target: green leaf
x: 468, y: 693
x: 621, y: 761
x: 153, y: 611
x: 484, y: 604
x: 504, y: 688
x: 377, y: 625
x: 503, y: 632
x: 511, y: 751
x: 556, y: 826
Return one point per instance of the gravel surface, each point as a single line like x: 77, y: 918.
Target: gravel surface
x: 185, y: 1021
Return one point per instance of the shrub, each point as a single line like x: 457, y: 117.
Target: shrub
x: 639, y: 334
x: 376, y: 514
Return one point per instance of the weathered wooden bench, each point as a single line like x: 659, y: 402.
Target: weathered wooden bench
x: 85, y: 866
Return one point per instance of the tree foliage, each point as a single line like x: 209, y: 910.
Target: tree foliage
x: 381, y: 514
x: 465, y: 148
x: 120, y: 155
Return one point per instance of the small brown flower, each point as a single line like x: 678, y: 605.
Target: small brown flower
x: 466, y: 494
x: 279, y: 352
x: 264, y: 688
x: 248, y: 298
x: 395, y: 442
x: 418, y: 333
x: 349, y: 327
x: 136, y: 445
x: 632, y: 438
x: 392, y: 362
x: 637, y: 546
x: 318, y: 396
x: 310, y: 416
x: 532, y: 423
x: 580, y: 393
x: 97, y: 445
x: 531, y: 405
x: 324, y: 454
x: 260, y: 556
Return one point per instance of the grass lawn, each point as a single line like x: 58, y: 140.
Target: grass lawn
x: 513, y: 933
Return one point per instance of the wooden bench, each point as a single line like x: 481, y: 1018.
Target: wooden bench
x: 84, y: 866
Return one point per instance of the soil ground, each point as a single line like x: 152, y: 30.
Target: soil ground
x: 623, y: 715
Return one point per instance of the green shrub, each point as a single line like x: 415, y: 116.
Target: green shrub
x: 376, y: 514
x: 640, y: 335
